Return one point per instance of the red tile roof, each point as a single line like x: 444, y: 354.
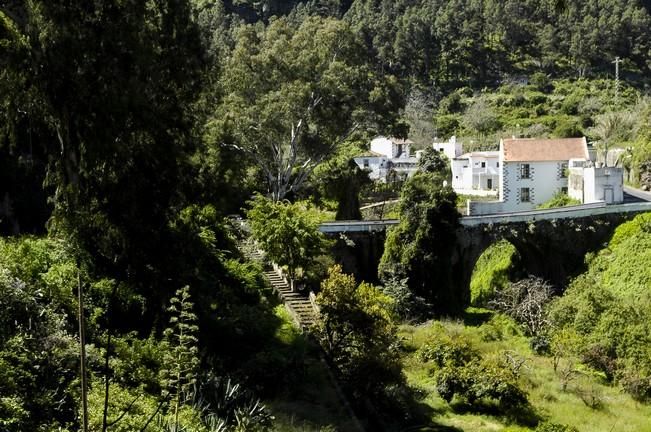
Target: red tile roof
x: 534, y: 149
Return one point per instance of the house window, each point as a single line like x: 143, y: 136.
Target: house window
x: 365, y: 163
x: 525, y: 171
x: 525, y: 196
x: 483, y: 164
x: 564, y: 170
x: 564, y: 190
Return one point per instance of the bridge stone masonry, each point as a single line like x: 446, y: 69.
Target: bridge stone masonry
x: 551, y: 244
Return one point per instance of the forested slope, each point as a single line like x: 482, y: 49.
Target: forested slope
x: 130, y: 130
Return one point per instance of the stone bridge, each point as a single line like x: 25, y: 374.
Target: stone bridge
x: 552, y: 243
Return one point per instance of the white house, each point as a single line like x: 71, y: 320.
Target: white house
x: 373, y: 162
x: 472, y: 173
x: 451, y: 149
x: 393, y: 148
x: 533, y: 170
x: 476, y: 171
x: 388, y: 157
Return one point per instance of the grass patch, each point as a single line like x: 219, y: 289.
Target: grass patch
x: 618, y: 412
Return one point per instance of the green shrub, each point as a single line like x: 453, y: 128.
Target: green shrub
x: 555, y: 427
x: 560, y: 199
x: 445, y: 350
x: 609, y: 309
x: 447, y: 124
x: 499, y: 327
x: 451, y: 104
x: 481, y: 382
x: 541, y: 82
x: 570, y: 105
x: 407, y: 305
x: 567, y: 128
x: 635, y: 384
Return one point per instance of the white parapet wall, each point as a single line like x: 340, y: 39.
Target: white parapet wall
x: 569, y: 212
x: 479, y: 208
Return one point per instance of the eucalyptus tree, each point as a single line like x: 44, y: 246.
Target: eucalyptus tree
x: 293, y: 95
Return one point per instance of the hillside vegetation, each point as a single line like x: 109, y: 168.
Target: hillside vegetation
x: 608, y: 309
x: 133, y: 134
x: 542, y: 108
x: 501, y: 346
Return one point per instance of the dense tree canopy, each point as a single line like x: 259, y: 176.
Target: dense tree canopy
x: 420, y: 247
x: 481, y: 42
x: 288, y: 233
x: 294, y: 94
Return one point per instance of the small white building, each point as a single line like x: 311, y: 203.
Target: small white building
x: 451, y: 149
x: 472, y: 173
x: 589, y: 184
x: 532, y: 171
x: 394, y: 148
x: 388, y: 158
x: 476, y: 171
x: 373, y: 162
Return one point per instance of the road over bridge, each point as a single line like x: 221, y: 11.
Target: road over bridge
x: 551, y: 243
x: 570, y: 212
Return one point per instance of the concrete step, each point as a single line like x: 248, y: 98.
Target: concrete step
x: 302, y: 306
x: 298, y: 302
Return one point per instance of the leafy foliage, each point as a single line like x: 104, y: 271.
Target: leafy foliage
x: 287, y: 232
x: 406, y: 304
x: 455, y: 42
x: 357, y: 331
x: 554, y: 427
x: 110, y: 159
x: 607, y: 308
x: 492, y: 272
x: 293, y: 95
x: 433, y: 161
x: 459, y: 369
x: 559, y: 199
x: 340, y: 179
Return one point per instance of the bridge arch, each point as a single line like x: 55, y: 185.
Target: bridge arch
x: 552, y: 244
x: 551, y: 249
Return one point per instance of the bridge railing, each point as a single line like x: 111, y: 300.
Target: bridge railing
x: 578, y: 211
x: 356, y: 226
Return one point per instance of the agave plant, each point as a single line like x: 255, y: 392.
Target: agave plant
x: 226, y: 406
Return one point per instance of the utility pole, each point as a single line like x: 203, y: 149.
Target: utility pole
x: 82, y: 352
x: 617, y: 62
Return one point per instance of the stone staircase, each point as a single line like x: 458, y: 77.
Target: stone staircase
x: 297, y: 303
